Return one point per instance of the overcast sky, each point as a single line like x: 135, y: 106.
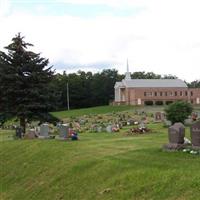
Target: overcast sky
x: 162, y: 36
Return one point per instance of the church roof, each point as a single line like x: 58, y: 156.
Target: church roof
x: 151, y: 83
x: 119, y: 84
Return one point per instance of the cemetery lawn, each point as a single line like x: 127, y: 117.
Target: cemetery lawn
x: 98, y: 166
x: 91, y: 111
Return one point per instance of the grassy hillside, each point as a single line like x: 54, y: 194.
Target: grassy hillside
x: 108, y: 109
x: 93, y: 110
x: 99, y: 166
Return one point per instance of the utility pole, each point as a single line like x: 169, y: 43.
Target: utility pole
x: 67, y: 96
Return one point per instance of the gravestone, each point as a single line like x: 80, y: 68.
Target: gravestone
x: 31, y: 134
x: 94, y: 128
x: 19, y: 133
x: 99, y: 129
x: 109, y: 129
x: 167, y: 123
x: 44, y: 131
x: 115, y: 128
x: 124, y: 123
x: 188, y: 122
x: 120, y: 125
x: 198, y: 113
x: 159, y: 116
x: 77, y: 126
x: 142, y: 125
x: 194, y: 116
x: 195, y: 135
x: 63, y: 131
x: 176, y: 134
x: 82, y: 121
x: 130, y: 122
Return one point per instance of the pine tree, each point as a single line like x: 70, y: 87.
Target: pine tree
x: 24, y: 81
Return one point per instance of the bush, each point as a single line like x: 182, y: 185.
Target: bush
x: 178, y: 111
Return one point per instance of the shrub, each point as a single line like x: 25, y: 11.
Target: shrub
x: 178, y: 111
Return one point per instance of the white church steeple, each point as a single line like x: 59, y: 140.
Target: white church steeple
x: 128, y: 74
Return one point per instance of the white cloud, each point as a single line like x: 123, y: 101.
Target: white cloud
x: 4, y: 8
x: 164, y: 38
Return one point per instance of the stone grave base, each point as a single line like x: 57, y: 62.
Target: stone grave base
x: 30, y: 136
x: 174, y: 147
x: 61, y: 138
x: 195, y: 147
x: 45, y: 137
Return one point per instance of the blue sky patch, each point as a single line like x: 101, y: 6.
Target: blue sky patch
x: 49, y: 8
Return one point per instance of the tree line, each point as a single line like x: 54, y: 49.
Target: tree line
x: 87, y: 89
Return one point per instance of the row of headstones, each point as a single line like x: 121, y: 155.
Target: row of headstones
x: 161, y: 116
x: 109, y: 128
x: 176, y: 134
x: 43, y: 132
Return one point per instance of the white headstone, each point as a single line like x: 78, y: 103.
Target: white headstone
x: 109, y: 129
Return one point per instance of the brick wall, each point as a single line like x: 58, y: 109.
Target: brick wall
x: 135, y: 96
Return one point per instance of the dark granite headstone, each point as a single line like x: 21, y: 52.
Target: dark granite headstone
x: 176, y: 134
x: 195, y: 134
x: 19, y: 132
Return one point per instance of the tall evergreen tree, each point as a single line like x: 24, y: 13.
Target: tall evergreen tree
x: 24, y: 81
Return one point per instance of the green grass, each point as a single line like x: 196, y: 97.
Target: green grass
x: 99, y: 166
x: 107, y: 109
x: 91, y: 111
x: 6, y: 135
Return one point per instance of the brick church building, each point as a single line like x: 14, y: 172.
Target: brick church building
x: 153, y: 91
